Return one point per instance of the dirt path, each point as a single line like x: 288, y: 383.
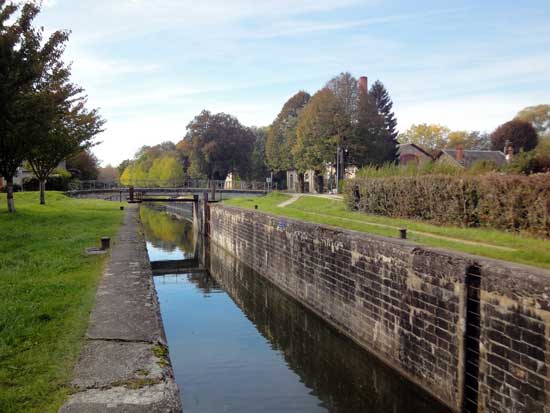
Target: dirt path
x: 293, y: 199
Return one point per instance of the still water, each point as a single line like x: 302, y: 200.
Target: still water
x: 238, y: 344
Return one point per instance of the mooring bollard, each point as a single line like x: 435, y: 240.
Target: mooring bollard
x: 403, y: 233
x: 105, y: 243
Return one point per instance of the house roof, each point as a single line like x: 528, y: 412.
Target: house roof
x: 412, y: 145
x: 472, y: 156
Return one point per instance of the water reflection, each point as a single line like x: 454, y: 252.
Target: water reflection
x: 240, y: 344
x: 168, y: 238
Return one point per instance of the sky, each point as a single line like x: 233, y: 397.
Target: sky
x: 151, y: 66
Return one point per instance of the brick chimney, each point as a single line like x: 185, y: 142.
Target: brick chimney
x: 459, y: 153
x: 363, y: 85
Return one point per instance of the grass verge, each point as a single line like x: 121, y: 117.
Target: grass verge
x: 47, y: 288
x: 479, y: 241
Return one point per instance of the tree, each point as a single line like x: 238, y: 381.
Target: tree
x: 539, y: 117
x: 384, y: 104
x: 429, y: 137
x: 62, y: 125
x: 317, y: 133
x: 469, y: 140
x: 23, y: 59
x: 220, y: 145
x: 83, y: 165
x: 259, y: 166
x: 281, y: 136
x: 518, y: 134
x: 371, y: 142
x: 346, y: 90
x: 122, y: 166
x: 108, y: 174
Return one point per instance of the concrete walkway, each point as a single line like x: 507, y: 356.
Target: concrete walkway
x: 124, y: 364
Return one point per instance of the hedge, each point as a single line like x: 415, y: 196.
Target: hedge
x: 509, y: 202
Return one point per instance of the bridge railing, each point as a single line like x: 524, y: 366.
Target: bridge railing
x: 190, y: 183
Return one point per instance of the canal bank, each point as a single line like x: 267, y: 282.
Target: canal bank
x: 473, y: 332
x: 239, y: 343
x: 124, y: 365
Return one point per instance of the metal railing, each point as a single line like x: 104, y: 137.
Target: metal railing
x: 186, y: 183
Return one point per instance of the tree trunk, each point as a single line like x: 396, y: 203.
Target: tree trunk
x: 11, y: 204
x: 42, y: 192
x: 301, y: 183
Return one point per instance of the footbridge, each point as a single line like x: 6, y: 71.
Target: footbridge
x: 217, y: 189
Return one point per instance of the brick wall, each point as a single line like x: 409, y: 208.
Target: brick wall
x: 407, y: 304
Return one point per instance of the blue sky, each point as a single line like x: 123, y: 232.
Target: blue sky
x: 151, y: 66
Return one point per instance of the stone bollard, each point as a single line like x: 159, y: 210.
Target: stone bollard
x: 105, y: 243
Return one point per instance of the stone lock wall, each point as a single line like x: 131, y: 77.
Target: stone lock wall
x: 409, y: 305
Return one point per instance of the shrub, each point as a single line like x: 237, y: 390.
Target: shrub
x: 507, y: 202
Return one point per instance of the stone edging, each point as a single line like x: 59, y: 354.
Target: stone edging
x: 124, y: 363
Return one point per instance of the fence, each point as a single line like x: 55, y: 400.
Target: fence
x: 175, y: 183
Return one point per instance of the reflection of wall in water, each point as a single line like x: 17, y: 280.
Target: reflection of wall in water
x: 341, y: 374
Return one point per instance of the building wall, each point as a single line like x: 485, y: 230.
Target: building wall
x: 408, y: 304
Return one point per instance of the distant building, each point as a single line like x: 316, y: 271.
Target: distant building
x: 22, y: 174
x: 329, y: 179
x: 466, y: 158
x: 411, y: 153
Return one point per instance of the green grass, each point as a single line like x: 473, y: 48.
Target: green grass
x: 526, y: 250
x: 47, y: 288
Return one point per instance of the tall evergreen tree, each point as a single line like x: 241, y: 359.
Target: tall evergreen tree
x: 371, y: 142
x: 384, y: 104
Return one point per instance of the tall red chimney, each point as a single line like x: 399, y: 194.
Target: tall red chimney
x: 363, y: 85
x: 459, y: 153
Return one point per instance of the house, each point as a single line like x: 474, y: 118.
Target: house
x: 409, y: 153
x: 329, y: 179
x: 466, y: 158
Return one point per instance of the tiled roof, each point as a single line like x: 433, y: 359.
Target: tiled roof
x: 471, y: 156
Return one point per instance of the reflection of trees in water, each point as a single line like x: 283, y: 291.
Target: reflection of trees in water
x: 340, y: 373
x: 167, y: 232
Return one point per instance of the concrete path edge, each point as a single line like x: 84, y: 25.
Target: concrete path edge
x: 124, y: 365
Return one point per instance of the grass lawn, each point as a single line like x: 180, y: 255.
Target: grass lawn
x: 47, y: 288
x: 479, y: 241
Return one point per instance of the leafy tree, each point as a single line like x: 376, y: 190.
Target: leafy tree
x: 346, y: 90
x: 317, y: 133
x: 219, y: 145
x: 23, y: 59
x: 157, y: 165
x: 429, y: 137
x: 172, y: 170
x: 469, y: 140
x: 371, y: 142
x: 62, y: 125
x: 122, y: 166
x: 519, y: 134
x: 539, y: 117
x: 83, y: 165
x: 384, y: 104
x: 281, y: 136
x: 108, y: 174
